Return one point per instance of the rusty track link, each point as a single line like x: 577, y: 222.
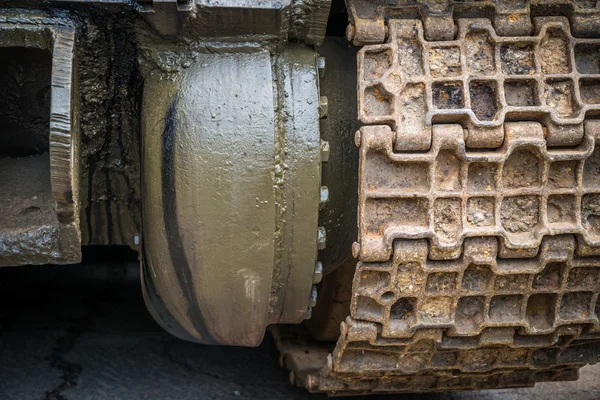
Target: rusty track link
x: 510, y: 18
x: 479, y: 214
x: 452, y: 305
x: 479, y: 80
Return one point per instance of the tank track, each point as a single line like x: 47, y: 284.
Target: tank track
x: 479, y: 214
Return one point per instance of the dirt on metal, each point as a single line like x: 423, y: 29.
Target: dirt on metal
x: 479, y: 213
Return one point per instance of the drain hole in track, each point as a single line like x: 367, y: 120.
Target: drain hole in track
x: 540, y: 311
x: 521, y: 93
x: 587, y: 58
x: 448, y: 95
x: 484, y: 101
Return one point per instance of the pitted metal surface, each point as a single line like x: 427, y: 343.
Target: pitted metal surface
x: 510, y: 18
x: 436, y: 313
x: 478, y: 208
x: 480, y: 80
x: 518, y: 193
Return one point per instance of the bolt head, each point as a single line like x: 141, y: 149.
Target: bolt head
x: 308, y: 313
x: 321, y: 66
x: 324, y: 195
x: 321, y: 238
x: 357, y: 138
x: 355, y: 249
x: 318, y: 276
x: 325, y: 151
x: 323, y: 107
x: 313, y: 297
x: 350, y: 31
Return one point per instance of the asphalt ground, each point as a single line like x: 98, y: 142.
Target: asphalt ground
x: 83, y: 332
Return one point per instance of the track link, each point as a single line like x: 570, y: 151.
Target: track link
x: 479, y: 213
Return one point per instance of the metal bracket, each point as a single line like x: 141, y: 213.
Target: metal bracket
x: 167, y: 17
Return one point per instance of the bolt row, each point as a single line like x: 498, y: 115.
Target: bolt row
x: 323, y: 196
